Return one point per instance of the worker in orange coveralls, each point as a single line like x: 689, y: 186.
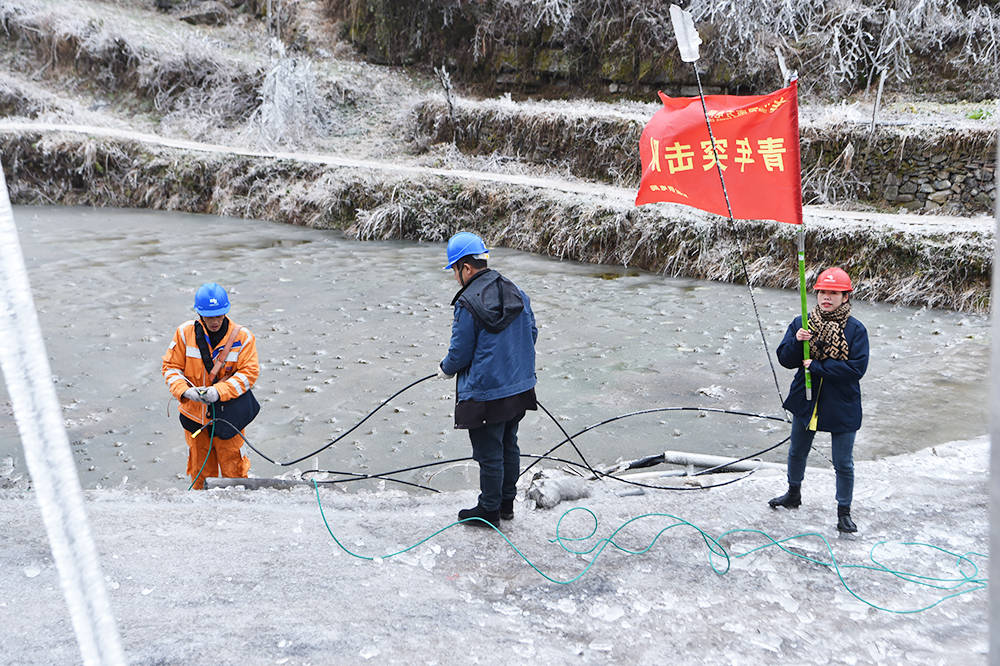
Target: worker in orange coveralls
x: 210, y: 363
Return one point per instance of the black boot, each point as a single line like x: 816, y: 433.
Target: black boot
x: 507, y: 509
x: 491, y: 518
x: 844, y: 522
x: 790, y: 500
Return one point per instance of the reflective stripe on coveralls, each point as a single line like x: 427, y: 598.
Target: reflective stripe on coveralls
x: 183, y: 360
x: 224, y: 459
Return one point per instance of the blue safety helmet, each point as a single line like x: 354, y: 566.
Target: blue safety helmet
x: 211, y: 300
x: 463, y: 244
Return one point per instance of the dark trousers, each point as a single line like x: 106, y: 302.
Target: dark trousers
x: 843, y: 458
x: 494, y: 447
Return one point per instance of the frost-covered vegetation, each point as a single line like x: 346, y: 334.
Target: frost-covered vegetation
x: 288, y: 84
x: 844, y: 45
x: 845, y: 160
x: 628, y: 45
x: 176, y: 73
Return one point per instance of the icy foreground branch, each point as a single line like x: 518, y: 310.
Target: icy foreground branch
x: 47, y: 452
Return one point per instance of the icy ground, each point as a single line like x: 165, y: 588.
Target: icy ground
x: 252, y: 577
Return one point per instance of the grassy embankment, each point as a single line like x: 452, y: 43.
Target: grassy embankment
x: 146, y: 79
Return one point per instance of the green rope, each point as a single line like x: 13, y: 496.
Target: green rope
x: 717, y: 551
x: 972, y: 579
x: 211, y: 438
x: 714, y: 547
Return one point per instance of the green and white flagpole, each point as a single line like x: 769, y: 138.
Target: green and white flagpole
x: 805, y: 306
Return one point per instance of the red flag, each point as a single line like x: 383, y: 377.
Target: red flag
x: 757, y: 146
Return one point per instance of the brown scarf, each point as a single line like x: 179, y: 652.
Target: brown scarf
x: 828, y: 333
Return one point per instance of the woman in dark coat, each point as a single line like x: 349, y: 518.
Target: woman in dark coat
x: 839, y: 358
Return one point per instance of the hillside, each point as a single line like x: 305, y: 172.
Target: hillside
x: 291, y: 86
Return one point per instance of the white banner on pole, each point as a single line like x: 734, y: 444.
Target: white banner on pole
x: 687, y: 35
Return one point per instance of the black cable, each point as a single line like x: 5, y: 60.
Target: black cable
x: 649, y: 485
x: 644, y: 462
x: 356, y: 476
x: 245, y: 440
x: 647, y: 461
x: 381, y: 475
x: 358, y: 424
x: 404, y: 469
x: 385, y: 475
x: 647, y: 458
x: 568, y: 439
x: 653, y: 411
x: 359, y: 476
x: 739, y: 460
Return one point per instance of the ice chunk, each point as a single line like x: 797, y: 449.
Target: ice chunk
x: 506, y: 609
x: 567, y: 606
x: 712, y: 391
x: 609, y: 613
x: 548, y: 490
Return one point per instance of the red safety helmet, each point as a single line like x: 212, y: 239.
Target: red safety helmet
x: 833, y: 279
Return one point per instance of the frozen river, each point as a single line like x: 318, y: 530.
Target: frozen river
x: 341, y: 325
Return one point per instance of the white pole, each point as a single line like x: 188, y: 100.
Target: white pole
x: 47, y: 452
x: 995, y: 441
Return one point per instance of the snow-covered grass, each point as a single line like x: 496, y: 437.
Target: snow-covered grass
x: 940, y: 262
x: 119, y: 64
x: 198, y: 82
x: 241, y: 577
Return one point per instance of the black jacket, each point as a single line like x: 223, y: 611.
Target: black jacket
x: 836, y: 384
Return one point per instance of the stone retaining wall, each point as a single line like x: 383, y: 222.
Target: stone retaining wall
x: 939, y: 183
x: 896, y: 167
x: 904, y: 168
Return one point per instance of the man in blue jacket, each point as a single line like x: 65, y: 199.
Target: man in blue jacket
x: 492, y: 351
x: 839, y: 360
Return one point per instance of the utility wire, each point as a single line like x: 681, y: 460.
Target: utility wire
x: 653, y: 411
x: 739, y: 241
x: 358, y: 424
x: 649, y: 460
